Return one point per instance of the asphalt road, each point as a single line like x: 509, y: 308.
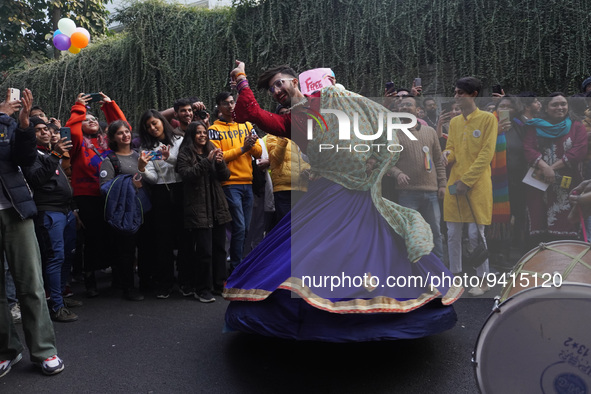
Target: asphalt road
x: 177, y: 346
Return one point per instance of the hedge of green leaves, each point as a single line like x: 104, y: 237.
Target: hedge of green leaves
x: 171, y: 51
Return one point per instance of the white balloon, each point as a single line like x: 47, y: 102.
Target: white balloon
x: 67, y: 26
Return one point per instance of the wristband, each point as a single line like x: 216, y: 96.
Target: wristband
x: 56, y: 154
x: 239, y: 74
x: 241, y: 85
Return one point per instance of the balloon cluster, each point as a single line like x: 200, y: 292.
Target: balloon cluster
x: 68, y: 37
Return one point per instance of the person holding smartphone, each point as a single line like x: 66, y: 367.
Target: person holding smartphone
x: 89, y: 147
x: 162, y: 228
x: 55, y: 224
x: 17, y: 233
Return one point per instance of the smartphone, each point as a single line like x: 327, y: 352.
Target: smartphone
x: 446, y: 106
x: 504, y: 115
x: 390, y: 87
x: 95, y: 97
x: 452, y: 189
x: 65, y: 132
x: 497, y: 89
x: 418, y: 83
x: 156, y: 154
x: 15, y: 94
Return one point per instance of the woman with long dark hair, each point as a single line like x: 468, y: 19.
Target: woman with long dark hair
x: 206, y: 212
x: 125, y: 162
x: 163, y: 225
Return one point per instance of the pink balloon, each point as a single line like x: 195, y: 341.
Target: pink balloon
x: 83, y: 31
x: 61, y: 42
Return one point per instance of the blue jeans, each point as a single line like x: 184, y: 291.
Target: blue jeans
x: 427, y: 204
x: 240, y: 200
x: 56, y: 233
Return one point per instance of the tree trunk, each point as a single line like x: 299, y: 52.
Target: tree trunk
x: 55, y: 17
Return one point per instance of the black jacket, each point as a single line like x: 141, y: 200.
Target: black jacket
x: 51, y: 188
x: 204, y: 200
x: 18, y: 147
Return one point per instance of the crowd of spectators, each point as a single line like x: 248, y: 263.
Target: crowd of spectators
x: 213, y: 188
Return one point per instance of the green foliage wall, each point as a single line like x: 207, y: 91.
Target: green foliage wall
x: 171, y: 51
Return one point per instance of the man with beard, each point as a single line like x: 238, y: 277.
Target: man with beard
x: 430, y: 107
x: 183, y: 112
x: 325, y: 234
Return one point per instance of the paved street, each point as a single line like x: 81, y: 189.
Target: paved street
x: 177, y: 346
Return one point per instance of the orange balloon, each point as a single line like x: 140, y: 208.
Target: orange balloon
x: 79, y: 40
x: 74, y: 49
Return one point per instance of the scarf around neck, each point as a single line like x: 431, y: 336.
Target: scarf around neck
x: 548, y: 130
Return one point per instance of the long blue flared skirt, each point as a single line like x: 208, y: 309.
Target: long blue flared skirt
x: 337, y: 233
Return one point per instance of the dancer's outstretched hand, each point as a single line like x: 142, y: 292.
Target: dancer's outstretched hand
x: 239, y: 69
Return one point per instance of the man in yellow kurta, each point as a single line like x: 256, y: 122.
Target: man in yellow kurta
x: 470, y: 149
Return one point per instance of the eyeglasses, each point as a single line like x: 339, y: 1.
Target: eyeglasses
x: 278, y: 84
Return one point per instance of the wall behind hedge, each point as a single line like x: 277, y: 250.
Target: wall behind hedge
x: 170, y: 51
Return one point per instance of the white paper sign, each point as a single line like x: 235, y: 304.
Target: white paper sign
x: 315, y: 79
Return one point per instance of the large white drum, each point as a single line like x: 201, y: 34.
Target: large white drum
x: 537, y: 341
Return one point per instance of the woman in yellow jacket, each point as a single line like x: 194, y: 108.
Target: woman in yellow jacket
x: 470, y: 149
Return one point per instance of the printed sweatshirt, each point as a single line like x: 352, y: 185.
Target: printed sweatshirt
x: 229, y: 137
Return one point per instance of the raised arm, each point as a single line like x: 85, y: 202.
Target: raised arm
x: 111, y: 110
x: 77, y: 116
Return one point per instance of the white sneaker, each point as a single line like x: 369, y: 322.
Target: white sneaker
x: 16, y: 313
x: 52, y: 365
x: 5, y: 365
x: 478, y: 291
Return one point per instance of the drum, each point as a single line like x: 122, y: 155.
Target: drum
x: 537, y: 341
x: 549, y: 264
